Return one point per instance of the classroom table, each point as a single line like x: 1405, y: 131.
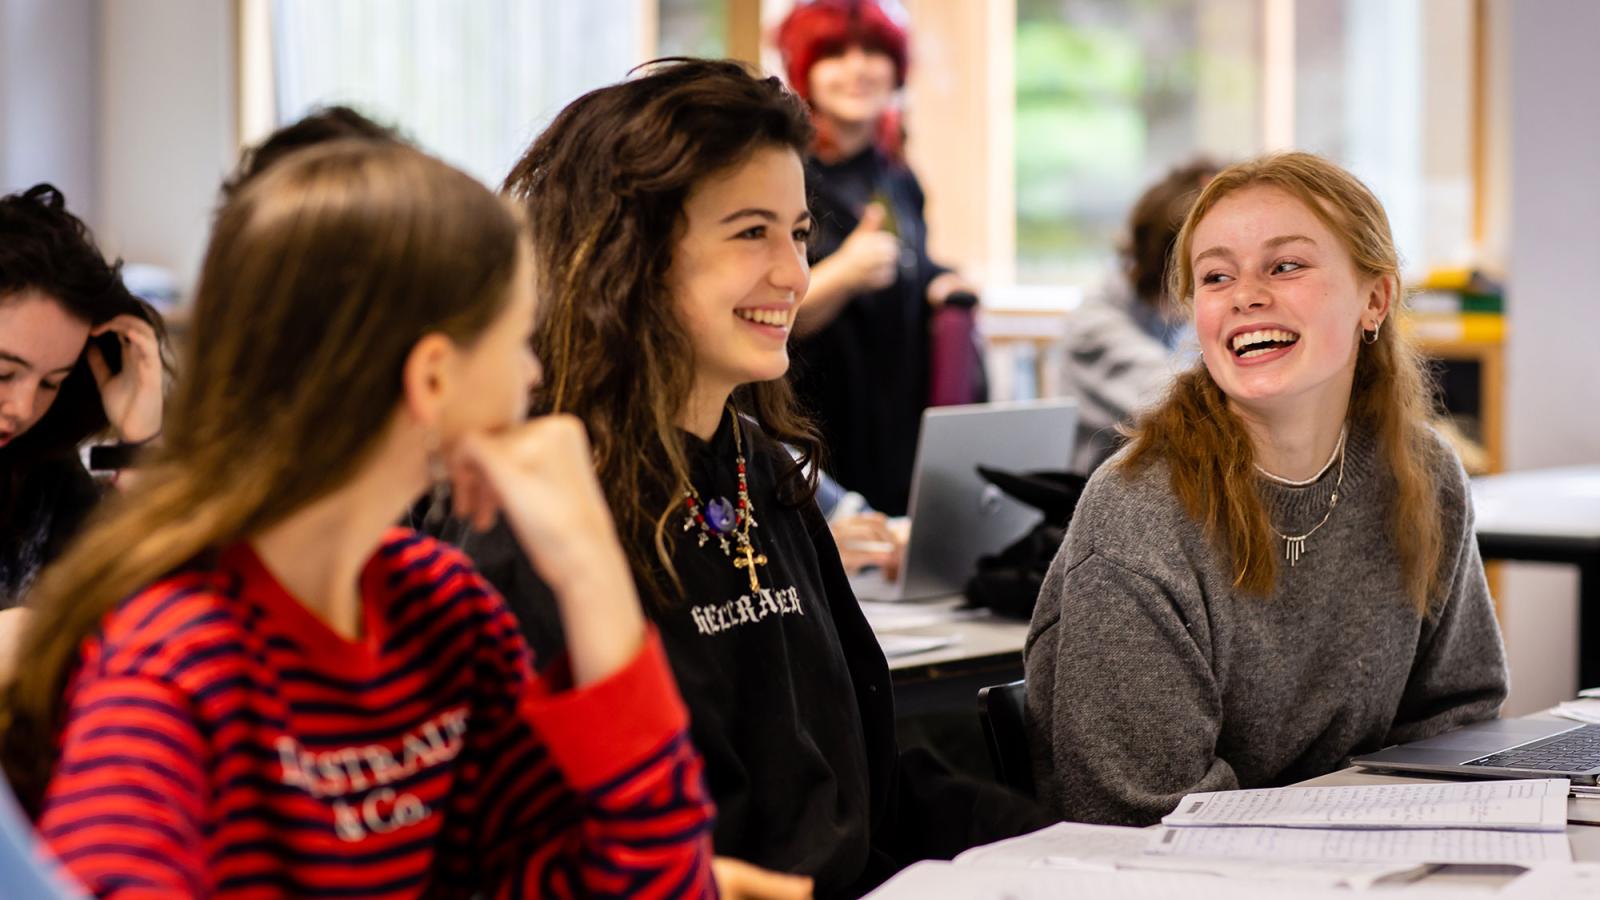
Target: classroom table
x: 1549, y: 515
x: 987, y: 650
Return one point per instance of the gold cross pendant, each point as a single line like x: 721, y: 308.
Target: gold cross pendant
x: 750, y: 561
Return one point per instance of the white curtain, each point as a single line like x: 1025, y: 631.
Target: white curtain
x: 470, y: 80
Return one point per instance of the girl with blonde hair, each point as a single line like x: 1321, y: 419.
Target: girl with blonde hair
x: 1279, y: 571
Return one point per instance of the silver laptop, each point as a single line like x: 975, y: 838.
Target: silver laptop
x: 1503, y: 748
x: 955, y: 515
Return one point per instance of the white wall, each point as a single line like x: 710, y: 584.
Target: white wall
x: 1553, y: 305
x: 167, y: 125
x: 48, y: 108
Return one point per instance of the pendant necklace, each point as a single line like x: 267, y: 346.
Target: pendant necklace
x: 727, y: 523
x: 1295, y: 546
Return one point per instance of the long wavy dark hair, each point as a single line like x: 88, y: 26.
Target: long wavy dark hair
x: 604, y: 188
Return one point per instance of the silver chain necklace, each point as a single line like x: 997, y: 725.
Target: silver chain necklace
x: 1295, y: 546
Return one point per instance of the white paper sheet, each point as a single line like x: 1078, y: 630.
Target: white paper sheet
x: 1063, y: 842
x: 1455, y: 845
x: 1556, y: 882
x: 1522, y: 805
x: 894, y: 645
x: 940, y: 880
x: 1071, y: 845
x: 884, y: 616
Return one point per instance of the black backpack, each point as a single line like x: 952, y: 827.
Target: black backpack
x: 1008, y: 582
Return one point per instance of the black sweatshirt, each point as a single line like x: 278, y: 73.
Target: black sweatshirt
x: 789, y: 695
x: 43, y: 503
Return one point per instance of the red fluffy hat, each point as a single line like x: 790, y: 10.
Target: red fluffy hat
x: 823, y: 28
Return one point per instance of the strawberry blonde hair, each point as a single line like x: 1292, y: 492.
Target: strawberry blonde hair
x: 1205, y: 446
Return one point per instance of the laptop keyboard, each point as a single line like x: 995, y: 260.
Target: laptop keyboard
x: 1574, y: 751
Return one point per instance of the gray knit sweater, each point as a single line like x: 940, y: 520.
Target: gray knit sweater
x: 1150, y: 676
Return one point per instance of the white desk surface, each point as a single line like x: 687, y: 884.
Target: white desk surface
x: 1560, y: 502
x: 985, y: 635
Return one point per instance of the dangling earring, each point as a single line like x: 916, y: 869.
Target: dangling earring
x: 439, y: 485
x: 1369, y: 341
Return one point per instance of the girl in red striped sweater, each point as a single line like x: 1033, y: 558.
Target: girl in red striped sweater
x: 243, y: 682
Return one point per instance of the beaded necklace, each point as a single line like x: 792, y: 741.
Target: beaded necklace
x: 723, y: 521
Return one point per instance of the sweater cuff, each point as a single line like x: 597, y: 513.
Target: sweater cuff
x: 601, y: 730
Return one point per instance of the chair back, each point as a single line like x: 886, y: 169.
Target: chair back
x: 1002, y: 710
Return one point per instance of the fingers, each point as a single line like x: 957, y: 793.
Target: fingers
x: 739, y: 880
x: 127, y: 325
x: 141, y: 349
x: 872, y: 218
x: 488, y: 467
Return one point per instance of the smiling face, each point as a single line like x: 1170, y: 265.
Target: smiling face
x: 853, y: 87
x: 40, y: 343
x: 739, y: 270
x: 1279, y: 305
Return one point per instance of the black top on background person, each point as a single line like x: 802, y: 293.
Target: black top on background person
x: 862, y: 337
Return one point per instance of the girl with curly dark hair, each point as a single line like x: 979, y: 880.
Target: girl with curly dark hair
x: 670, y: 221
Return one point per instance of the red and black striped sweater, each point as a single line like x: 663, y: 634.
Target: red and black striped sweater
x: 222, y: 741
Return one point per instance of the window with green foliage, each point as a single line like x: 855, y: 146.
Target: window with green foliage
x: 692, y: 28
x: 1110, y: 94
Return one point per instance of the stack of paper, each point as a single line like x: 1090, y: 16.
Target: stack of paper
x: 1537, y: 804
x: 1486, y: 822
x: 1245, y: 844
x: 1106, y: 848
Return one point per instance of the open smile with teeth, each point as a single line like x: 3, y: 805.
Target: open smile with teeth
x: 1255, y: 343
x: 778, y: 318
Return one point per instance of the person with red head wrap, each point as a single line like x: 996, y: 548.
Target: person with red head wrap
x: 862, y: 335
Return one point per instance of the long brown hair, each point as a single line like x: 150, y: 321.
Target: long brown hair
x: 604, y: 188
x: 1204, y: 444
x: 319, y: 279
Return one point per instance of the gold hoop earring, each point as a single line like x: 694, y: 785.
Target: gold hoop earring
x: 1369, y: 341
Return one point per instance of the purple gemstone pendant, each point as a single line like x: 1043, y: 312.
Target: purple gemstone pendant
x: 720, y: 515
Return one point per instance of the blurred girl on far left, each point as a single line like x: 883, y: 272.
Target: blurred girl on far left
x: 80, y: 356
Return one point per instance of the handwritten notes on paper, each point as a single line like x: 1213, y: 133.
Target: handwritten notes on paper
x: 1524, y: 805
x: 1452, y: 845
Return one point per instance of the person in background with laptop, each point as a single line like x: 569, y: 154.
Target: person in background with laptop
x: 1122, y: 349
x: 80, y: 356
x: 670, y: 219
x: 1279, y: 571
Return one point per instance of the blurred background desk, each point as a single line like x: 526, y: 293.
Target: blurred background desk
x: 1549, y: 515
x: 985, y: 650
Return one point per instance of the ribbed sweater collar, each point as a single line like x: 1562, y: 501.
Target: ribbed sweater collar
x: 1294, y: 509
